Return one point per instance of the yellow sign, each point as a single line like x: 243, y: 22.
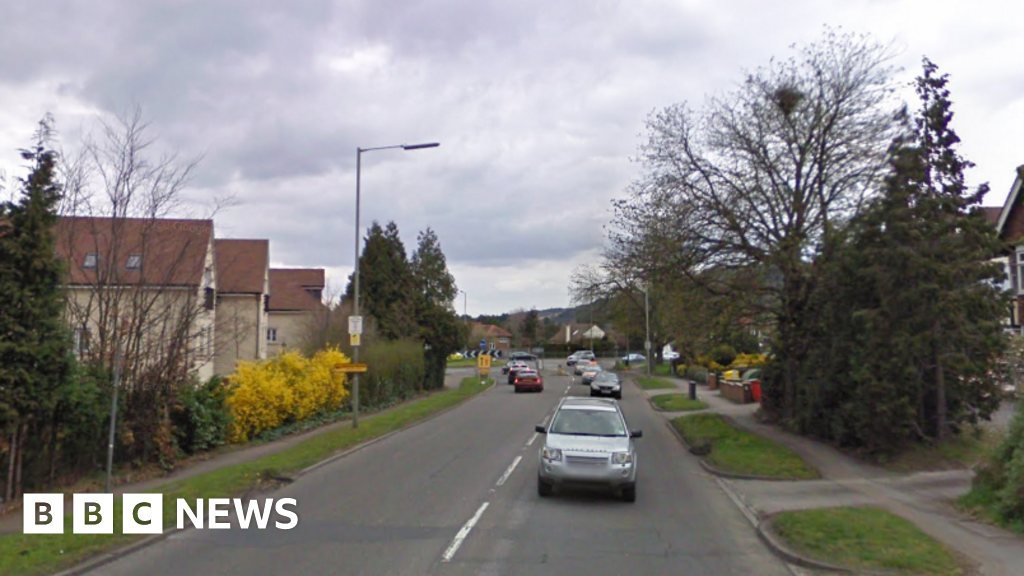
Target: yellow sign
x: 483, y: 361
x: 350, y: 367
x: 353, y: 339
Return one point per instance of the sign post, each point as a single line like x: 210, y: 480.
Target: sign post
x: 355, y: 332
x: 483, y: 365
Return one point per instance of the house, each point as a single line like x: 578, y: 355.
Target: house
x: 243, y: 293
x: 1009, y: 223
x: 146, y: 286
x: 296, y: 299
x: 578, y: 334
x: 493, y: 337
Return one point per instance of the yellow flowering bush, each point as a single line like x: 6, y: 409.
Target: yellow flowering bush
x: 286, y: 388
x: 748, y: 361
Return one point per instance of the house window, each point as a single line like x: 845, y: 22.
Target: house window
x: 1020, y: 270
x: 271, y: 334
x: 134, y: 262
x: 81, y: 345
x: 91, y: 260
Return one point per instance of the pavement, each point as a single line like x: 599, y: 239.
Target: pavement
x: 924, y: 498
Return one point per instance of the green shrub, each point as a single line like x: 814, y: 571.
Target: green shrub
x: 723, y: 354
x: 1001, y: 477
x: 201, y: 417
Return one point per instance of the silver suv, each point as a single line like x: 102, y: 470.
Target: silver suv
x: 588, y: 443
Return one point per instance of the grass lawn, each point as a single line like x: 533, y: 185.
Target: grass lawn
x: 31, y: 555
x: 677, y: 403
x: 865, y: 538
x: 653, y: 383
x: 741, y: 452
x: 467, y: 363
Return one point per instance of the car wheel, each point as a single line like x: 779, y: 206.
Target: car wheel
x: 629, y: 493
x: 618, y: 395
x: 543, y: 488
x: 592, y: 393
x: 517, y: 390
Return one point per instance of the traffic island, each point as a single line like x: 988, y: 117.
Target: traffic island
x: 735, y: 453
x: 860, y: 540
x: 37, y: 555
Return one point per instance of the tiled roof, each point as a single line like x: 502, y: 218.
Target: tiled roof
x: 167, y: 252
x: 992, y: 214
x: 241, y: 265
x: 288, y: 289
x: 490, y: 330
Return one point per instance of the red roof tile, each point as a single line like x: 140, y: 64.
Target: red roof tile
x: 288, y: 289
x: 241, y: 265
x: 168, y: 252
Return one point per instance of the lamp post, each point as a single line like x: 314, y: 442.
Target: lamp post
x: 647, y: 325
x: 465, y: 312
x: 355, y: 303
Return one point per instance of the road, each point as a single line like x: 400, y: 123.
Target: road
x: 457, y: 496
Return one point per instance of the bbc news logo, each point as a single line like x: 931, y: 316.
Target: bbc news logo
x: 143, y: 513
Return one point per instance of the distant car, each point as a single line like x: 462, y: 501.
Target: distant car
x: 504, y: 369
x: 588, y: 443
x: 525, y: 356
x: 590, y: 373
x: 670, y: 356
x: 456, y: 356
x: 606, y: 384
x: 515, y: 367
x: 579, y: 356
x: 633, y: 358
x: 527, y: 379
x: 583, y: 365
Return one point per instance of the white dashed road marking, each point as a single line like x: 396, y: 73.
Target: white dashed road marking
x: 461, y: 536
x: 508, y: 471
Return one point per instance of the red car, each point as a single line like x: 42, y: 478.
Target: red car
x: 528, y: 380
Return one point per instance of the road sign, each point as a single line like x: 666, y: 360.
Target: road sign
x: 350, y: 367
x: 647, y: 344
x: 353, y: 339
x: 355, y: 324
x: 483, y: 344
x: 483, y: 362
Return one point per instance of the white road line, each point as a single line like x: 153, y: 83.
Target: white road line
x: 454, y: 546
x: 532, y: 438
x: 508, y: 472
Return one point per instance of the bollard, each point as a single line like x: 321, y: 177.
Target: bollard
x: 693, y: 390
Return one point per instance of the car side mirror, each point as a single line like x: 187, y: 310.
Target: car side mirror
x: 636, y: 434
x: 540, y: 429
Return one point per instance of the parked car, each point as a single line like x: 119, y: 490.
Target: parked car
x: 514, y: 367
x: 606, y: 383
x: 528, y: 379
x: 633, y: 358
x: 588, y: 443
x: 591, y: 372
x: 670, y: 356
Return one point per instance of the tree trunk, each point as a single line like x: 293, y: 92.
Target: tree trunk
x: 940, y: 399
x: 23, y: 429
x: 9, y: 489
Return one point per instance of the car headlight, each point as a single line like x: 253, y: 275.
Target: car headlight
x: 553, y: 454
x: 622, y: 458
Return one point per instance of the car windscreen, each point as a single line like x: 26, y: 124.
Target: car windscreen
x: 578, y: 422
x: 607, y: 377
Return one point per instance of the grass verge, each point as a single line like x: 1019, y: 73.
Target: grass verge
x: 982, y: 503
x: 865, y: 539
x: 653, y: 383
x: 466, y: 363
x: 35, y: 554
x: 961, y: 452
x: 677, y: 403
x: 740, y: 452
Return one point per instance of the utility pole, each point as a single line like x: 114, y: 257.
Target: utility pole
x: 113, y: 417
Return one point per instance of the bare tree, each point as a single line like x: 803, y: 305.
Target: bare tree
x: 139, y: 280
x: 758, y: 178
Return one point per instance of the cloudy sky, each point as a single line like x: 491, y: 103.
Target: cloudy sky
x: 538, y: 106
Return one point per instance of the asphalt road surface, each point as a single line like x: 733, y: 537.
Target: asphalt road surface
x: 457, y: 496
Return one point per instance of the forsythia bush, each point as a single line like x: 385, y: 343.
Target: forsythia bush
x: 286, y: 388
x: 748, y: 361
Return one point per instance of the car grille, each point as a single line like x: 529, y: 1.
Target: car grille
x: 586, y: 460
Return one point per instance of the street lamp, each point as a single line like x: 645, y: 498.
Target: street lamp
x: 647, y: 324
x: 355, y: 304
x: 465, y: 312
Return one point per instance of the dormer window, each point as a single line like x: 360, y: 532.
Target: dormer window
x: 134, y: 262
x: 92, y: 259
